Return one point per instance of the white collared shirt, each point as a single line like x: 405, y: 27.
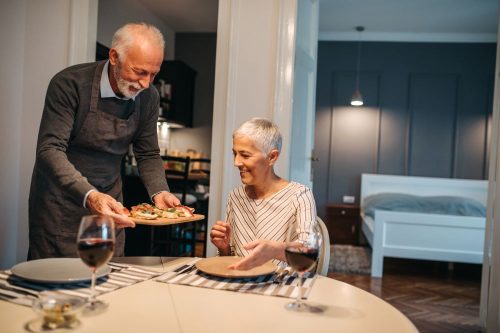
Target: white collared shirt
x: 105, y: 85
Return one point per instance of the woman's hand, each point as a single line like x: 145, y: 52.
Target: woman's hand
x: 103, y: 204
x: 261, y: 251
x: 220, y: 236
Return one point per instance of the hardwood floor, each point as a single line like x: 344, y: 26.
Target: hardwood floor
x: 435, y: 297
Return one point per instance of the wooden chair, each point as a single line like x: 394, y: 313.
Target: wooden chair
x: 324, y: 253
x: 178, y: 171
x: 201, y: 166
x: 184, y: 173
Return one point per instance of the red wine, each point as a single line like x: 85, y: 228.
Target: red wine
x: 95, y: 252
x: 301, y: 260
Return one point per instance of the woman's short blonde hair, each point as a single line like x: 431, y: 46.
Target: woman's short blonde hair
x: 264, y: 133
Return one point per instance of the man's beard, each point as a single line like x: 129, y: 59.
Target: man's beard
x: 124, y: 85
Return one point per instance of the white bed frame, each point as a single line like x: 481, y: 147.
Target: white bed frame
x: 418, y: 235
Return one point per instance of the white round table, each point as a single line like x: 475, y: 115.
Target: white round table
x: 159, y: 307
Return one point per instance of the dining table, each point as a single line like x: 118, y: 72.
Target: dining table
x: 152, y: 306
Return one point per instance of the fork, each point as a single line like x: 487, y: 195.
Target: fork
x: 187, y: 269
x: 190, y: 269
x: 280, y: 275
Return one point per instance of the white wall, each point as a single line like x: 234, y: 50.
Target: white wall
x: 27, y: 66
x: 115, y: 13
x: 12, y: 16
x: 197, y: 138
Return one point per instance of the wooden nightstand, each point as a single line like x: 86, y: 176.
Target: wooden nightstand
x: 343, y: 223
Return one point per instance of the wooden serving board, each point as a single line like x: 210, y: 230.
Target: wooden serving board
x: 164, y: 221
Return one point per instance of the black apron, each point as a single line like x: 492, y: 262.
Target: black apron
x: 96, y: 151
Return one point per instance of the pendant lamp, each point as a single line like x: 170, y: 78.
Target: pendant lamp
x: 357, y: 98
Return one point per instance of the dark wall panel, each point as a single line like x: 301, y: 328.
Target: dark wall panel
x: 353, y: 149
x: 198, y: 51
x: 474, y: 108
x: 354, y: 134
x: 432, y: 106
x: 322, y: 133
x: 393, y: 124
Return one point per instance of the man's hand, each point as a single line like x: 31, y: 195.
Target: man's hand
x: 220, y: 236
x: 165, y: 200
x: 261, y: 251
x: 103, y: 204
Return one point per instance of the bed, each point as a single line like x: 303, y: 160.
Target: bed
x: 423, y: 235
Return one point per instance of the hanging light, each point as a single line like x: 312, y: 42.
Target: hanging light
x: 357, y: 98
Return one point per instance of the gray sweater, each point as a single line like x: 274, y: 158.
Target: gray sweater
x: 67, y: 101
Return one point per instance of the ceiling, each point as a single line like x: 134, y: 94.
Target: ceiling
x: 186, y: 15
x: 408, y: 20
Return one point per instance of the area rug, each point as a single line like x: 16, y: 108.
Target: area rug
x: 350, y: 259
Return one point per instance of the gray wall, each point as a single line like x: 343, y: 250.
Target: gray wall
x: 198, y: 51
x: 426, y: 113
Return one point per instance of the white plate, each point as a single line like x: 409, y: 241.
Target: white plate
x: 57, y: 270
x: 217, y: 266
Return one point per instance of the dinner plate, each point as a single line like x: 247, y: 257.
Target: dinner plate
x: 57, y: 270
x: 217, y: 266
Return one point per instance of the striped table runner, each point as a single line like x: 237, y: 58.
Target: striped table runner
x: 262, y: 285
x: 19, y: 291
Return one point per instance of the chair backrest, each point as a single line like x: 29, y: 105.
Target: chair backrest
x: 324, y: 252
x: 178, y: 167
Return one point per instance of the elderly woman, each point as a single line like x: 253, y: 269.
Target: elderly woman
x: 260, y: 211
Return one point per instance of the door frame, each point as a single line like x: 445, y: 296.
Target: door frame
x: 489, y: 314
x: 277, y: 102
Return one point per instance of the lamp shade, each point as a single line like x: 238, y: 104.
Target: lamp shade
x: 357, y: 98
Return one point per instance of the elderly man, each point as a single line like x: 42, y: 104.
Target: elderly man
x: 92, y: 113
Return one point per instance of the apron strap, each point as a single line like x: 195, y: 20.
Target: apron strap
x: 81, y: 114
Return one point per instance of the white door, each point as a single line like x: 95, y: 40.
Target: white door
x: 304, y: 92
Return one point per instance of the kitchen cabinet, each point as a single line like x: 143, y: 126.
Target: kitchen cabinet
x: 176, y: 83
x: 101, y: 52
x: 343, y: 223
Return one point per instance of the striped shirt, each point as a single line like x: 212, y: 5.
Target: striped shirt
x: 268, y: 218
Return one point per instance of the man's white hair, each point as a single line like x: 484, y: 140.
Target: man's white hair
x: 264, y: 133
x: 124, y: 37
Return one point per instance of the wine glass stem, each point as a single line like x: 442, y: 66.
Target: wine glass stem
x: 92, y: 287
x: 299, y: 294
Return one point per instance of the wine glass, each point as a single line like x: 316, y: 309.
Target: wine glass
x: 303, y: 244
x: 95, y: 243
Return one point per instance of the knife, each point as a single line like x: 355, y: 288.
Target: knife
x: 178, y: 269
x: 19, y: 290
x: 188, y: 269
